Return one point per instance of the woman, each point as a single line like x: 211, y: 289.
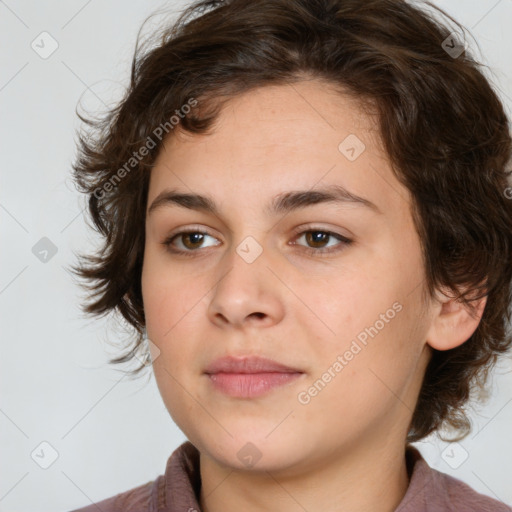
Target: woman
x: 305, y: 212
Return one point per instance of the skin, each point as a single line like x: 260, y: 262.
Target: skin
x: 344, y: 450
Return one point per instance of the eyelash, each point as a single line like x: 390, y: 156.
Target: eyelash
x: 309, y: 250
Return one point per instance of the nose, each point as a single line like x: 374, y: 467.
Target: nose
x: 247, y: 293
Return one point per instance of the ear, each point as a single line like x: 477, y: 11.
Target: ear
x: 452, y: 322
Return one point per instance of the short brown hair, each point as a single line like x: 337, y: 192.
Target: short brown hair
x: 440, y: 121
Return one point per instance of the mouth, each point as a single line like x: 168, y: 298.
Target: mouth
x: 249, y: 377
x: 250, y: 385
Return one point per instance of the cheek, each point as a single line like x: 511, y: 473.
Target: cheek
x: 361, y: 386
x: 342, y: 306
x: 171, y: 307
x: 369, y: 353
x: 168, y: 297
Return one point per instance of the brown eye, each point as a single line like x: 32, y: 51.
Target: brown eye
x: 312, y: 237
x: 191, y: 240
x: 186, y: 242
x: 317, y: 242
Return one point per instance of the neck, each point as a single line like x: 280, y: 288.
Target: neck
x: 374, y: 478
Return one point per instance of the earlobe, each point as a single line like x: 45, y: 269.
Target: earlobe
x: 453, y: 323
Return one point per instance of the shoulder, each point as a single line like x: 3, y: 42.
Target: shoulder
x: 137, y: 499
x: 177, y: 489
x: 433, y: 491
x: 463, y: 497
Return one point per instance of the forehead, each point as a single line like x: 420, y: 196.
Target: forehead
x: 278, y: 138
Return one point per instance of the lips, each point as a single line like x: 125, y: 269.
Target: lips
x: 249, y: 377
x: 252, y: 364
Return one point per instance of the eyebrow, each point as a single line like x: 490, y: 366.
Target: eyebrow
x: 282, y: 203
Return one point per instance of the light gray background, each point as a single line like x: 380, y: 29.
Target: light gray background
x: 110, y: 433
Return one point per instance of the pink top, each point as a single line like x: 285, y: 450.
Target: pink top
x: 178, y: 490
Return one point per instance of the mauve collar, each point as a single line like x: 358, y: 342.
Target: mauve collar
x: 178, y: 490
x: 428, y: 491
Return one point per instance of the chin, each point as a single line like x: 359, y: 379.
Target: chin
x: 255, y: 451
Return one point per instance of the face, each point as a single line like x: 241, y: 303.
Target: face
x: 329, y: 288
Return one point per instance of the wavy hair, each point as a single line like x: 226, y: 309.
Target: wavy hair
x: 440, y: 121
